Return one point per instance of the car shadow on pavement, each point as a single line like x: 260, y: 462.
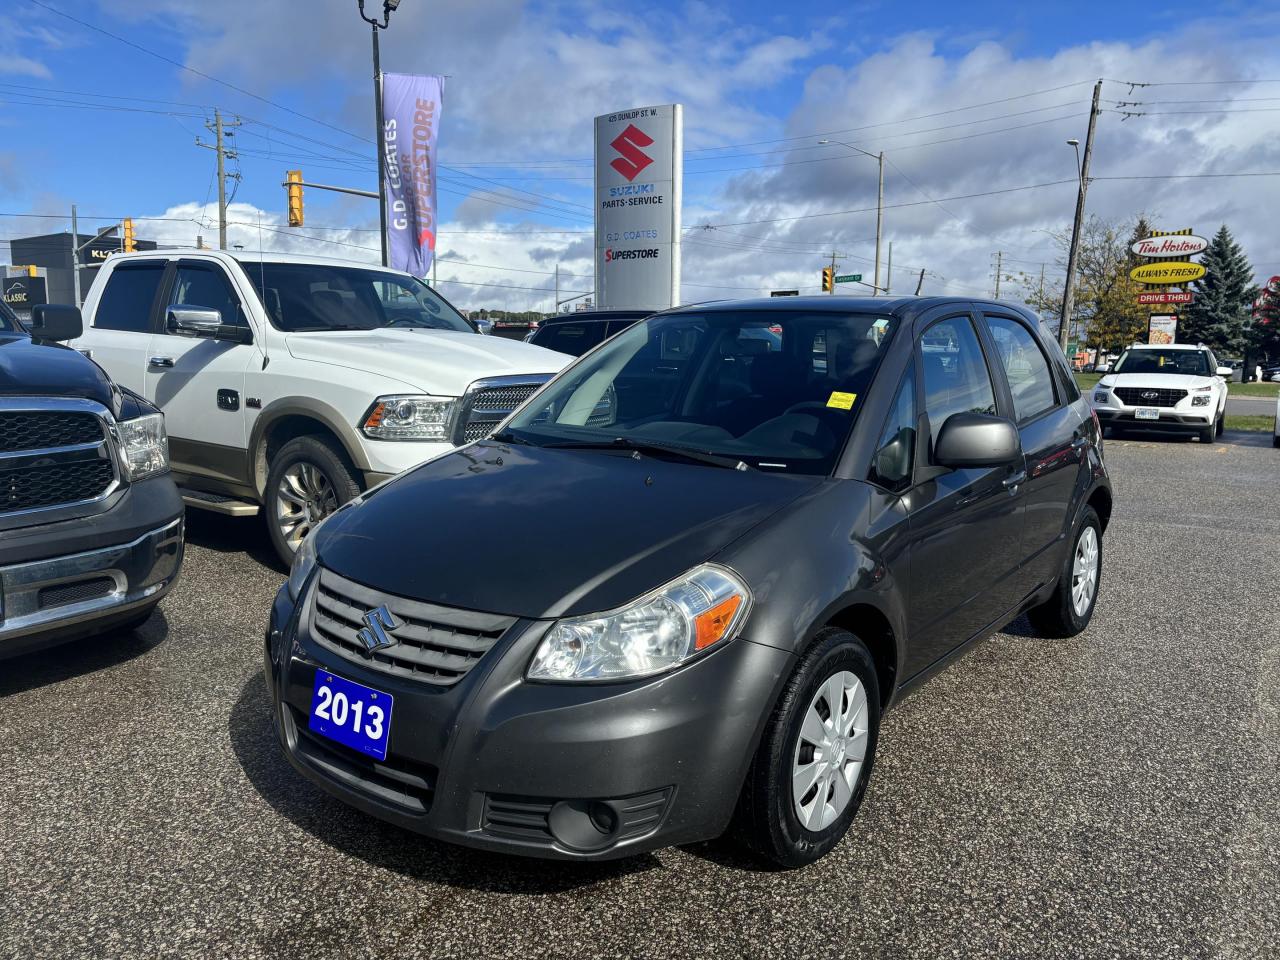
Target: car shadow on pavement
x: 1231, y: 438
x: 39, y: 668
x: 382, y: 844
x: 248, y: 535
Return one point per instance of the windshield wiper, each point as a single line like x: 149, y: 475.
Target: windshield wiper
x: 653, y: 448
x: 506, y: 436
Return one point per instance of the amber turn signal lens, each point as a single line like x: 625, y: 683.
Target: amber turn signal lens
x: 712, y: 624
x: 375, y: 416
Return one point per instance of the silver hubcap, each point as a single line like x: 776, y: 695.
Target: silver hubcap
x: 830, y: 751
x: 1084, y: 571
x: 304, y: 497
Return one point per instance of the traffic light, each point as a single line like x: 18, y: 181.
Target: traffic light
x: 31, y: 270
x: 129, y: 244
x: 828, y: 279
x: 293, y: 187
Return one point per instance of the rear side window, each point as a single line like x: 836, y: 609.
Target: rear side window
x: 127, y: 298
x: 956, y: 379
x: 574, y: 339
x: 1025, y: 367
x: 895, y: 453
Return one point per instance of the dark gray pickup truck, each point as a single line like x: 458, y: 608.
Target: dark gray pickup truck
x: 90, y: 522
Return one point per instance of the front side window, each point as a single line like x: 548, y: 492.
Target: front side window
x: 956, y: 379
x: 198, y: 285
x: 738, y: 384
x: 1026, y: 369
x: 895, y: 453
x: 127, y: 298
x: 8, y: 319
x: 312, y: 297
x: 1191, y: 362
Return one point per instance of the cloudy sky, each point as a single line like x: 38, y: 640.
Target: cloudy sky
x: 101, y: 104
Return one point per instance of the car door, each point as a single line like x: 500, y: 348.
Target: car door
x: 122, y: 321
x: 1053, y: 443
x: 966, y: 524
x: 199, y: 381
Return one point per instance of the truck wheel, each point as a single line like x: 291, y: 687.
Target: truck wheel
x: 811, y: 770
x: 309, y: 479
x: 1070, y: 609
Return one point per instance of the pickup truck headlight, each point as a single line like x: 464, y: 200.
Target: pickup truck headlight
x: 144, y: 446
x: 412, y: 417
x: 653, y: 634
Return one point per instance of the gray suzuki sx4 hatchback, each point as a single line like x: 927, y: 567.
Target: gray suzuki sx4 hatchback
x: 674, y: 594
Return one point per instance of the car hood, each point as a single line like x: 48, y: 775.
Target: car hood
x: 35, y: 368
x: 1161, y: 381
x: 531, y: 532
x: 441, y: 362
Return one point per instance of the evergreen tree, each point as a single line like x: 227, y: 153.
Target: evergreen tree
x: 1220, y: 315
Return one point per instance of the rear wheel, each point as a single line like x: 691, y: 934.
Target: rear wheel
x: 308, y: 480
x: 1070, y: 609
x: 811, y: 770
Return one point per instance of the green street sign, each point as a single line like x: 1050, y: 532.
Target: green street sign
x: 850, y: 278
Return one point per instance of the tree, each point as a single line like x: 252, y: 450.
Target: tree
x: 1220, y: 315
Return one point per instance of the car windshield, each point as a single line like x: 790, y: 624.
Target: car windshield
x: 773, y: 389
x: 317, y: 297
x: 1193, y: 362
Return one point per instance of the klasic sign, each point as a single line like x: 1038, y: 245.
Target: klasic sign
x: 638, y: 181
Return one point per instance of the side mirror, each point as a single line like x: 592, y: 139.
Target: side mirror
x: 187, y: 321
x: 483, y: 326
x: 1225, y: 371
x: 977, y: 440
x: 56, y: 322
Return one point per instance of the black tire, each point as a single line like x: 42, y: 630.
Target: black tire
x: 1275, y: 441
x: 1057, y: 618
x: 335, y: 480
x: 766, y: 820
x: 1208, y: 433
x: 1221, y: 425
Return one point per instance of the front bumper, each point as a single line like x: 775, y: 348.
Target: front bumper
x: 390, y: 457
x: 64, y: 597
x: 562, y: 771
x: 1171, y: 419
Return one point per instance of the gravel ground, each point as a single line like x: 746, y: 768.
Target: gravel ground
x: 1114, y: 795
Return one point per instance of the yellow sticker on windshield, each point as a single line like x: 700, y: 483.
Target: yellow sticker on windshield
x: 841, y: 401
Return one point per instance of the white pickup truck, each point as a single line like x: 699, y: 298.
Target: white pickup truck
x: 292, y: 383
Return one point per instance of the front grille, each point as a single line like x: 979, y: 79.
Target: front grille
x: 40, y: 430
x: 1136, y: 396
x: 67, y: 593
x: 408, y: 785
x: 433, y: 644
x: 29, y: 488
x: 489, y: 402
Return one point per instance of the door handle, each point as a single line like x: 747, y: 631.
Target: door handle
x: 1014, y: 482
x: 160, y: 362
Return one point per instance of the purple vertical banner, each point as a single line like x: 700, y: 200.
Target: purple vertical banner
x: 411, y: 108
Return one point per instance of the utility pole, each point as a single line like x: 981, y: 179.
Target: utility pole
x: 1069, y: 292
x: 879, y: 220
x: 75, y: 255
x: 557, y: 300
x: 999, y: 265
x: 1042, y: 283
x: 888, y: 276
x: 221, y: 130
x: 920, y: 282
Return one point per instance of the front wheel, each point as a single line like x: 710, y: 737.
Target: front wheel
x: 1208, y: 433
x: 1221, y: 424
x: 811, y: 770
x: 308, y: 480
x: 1070, y: 609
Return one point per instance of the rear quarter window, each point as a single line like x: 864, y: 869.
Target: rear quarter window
x: 127, y: 298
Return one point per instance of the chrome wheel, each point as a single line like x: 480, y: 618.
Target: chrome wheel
x: 1084, y: 571
x: 830, y: 752
x: 304, y: 497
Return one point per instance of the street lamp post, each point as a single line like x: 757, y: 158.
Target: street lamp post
x: 388, y: 8
x: 879, y: 200
x: 1082, y: 171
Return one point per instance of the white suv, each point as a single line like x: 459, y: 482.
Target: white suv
x: 293, y: 383
x: 1171, y: 387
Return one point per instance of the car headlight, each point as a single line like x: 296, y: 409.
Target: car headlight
x: 1101, y: 396
x: 1200, y: 400
x: 144, y: 446
x: 304, y: 561
x: 653, y: 634
x: 412, y: 417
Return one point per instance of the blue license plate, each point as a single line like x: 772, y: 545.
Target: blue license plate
x: 352, y: 714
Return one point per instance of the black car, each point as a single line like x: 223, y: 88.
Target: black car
x: 90, y: 522
x: 715, y: 550
x: 576, y: 333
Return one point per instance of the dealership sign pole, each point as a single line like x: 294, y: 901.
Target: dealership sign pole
x: 411, y: 108
x: 639, y: 172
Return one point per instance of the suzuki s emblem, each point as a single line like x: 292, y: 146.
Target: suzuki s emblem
x: 631, y: 159
x: 1150, y: 394
x: 377, y: 622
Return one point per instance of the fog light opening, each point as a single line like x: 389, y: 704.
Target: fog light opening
x: 584, y: 824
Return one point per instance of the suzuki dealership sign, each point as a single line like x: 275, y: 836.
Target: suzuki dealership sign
x: 639, y: 170
x: 411, y: 108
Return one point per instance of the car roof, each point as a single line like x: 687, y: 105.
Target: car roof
x: 250, y: 256
x: 843, y: 304
x: 1168, y: 346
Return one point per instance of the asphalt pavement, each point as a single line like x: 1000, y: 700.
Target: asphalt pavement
x: 1112, y: 795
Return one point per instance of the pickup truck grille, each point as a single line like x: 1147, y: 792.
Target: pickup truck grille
x: 1137, y: 396
x: 51, y: 457
x: 488, y: 402
x: 432, y: 644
